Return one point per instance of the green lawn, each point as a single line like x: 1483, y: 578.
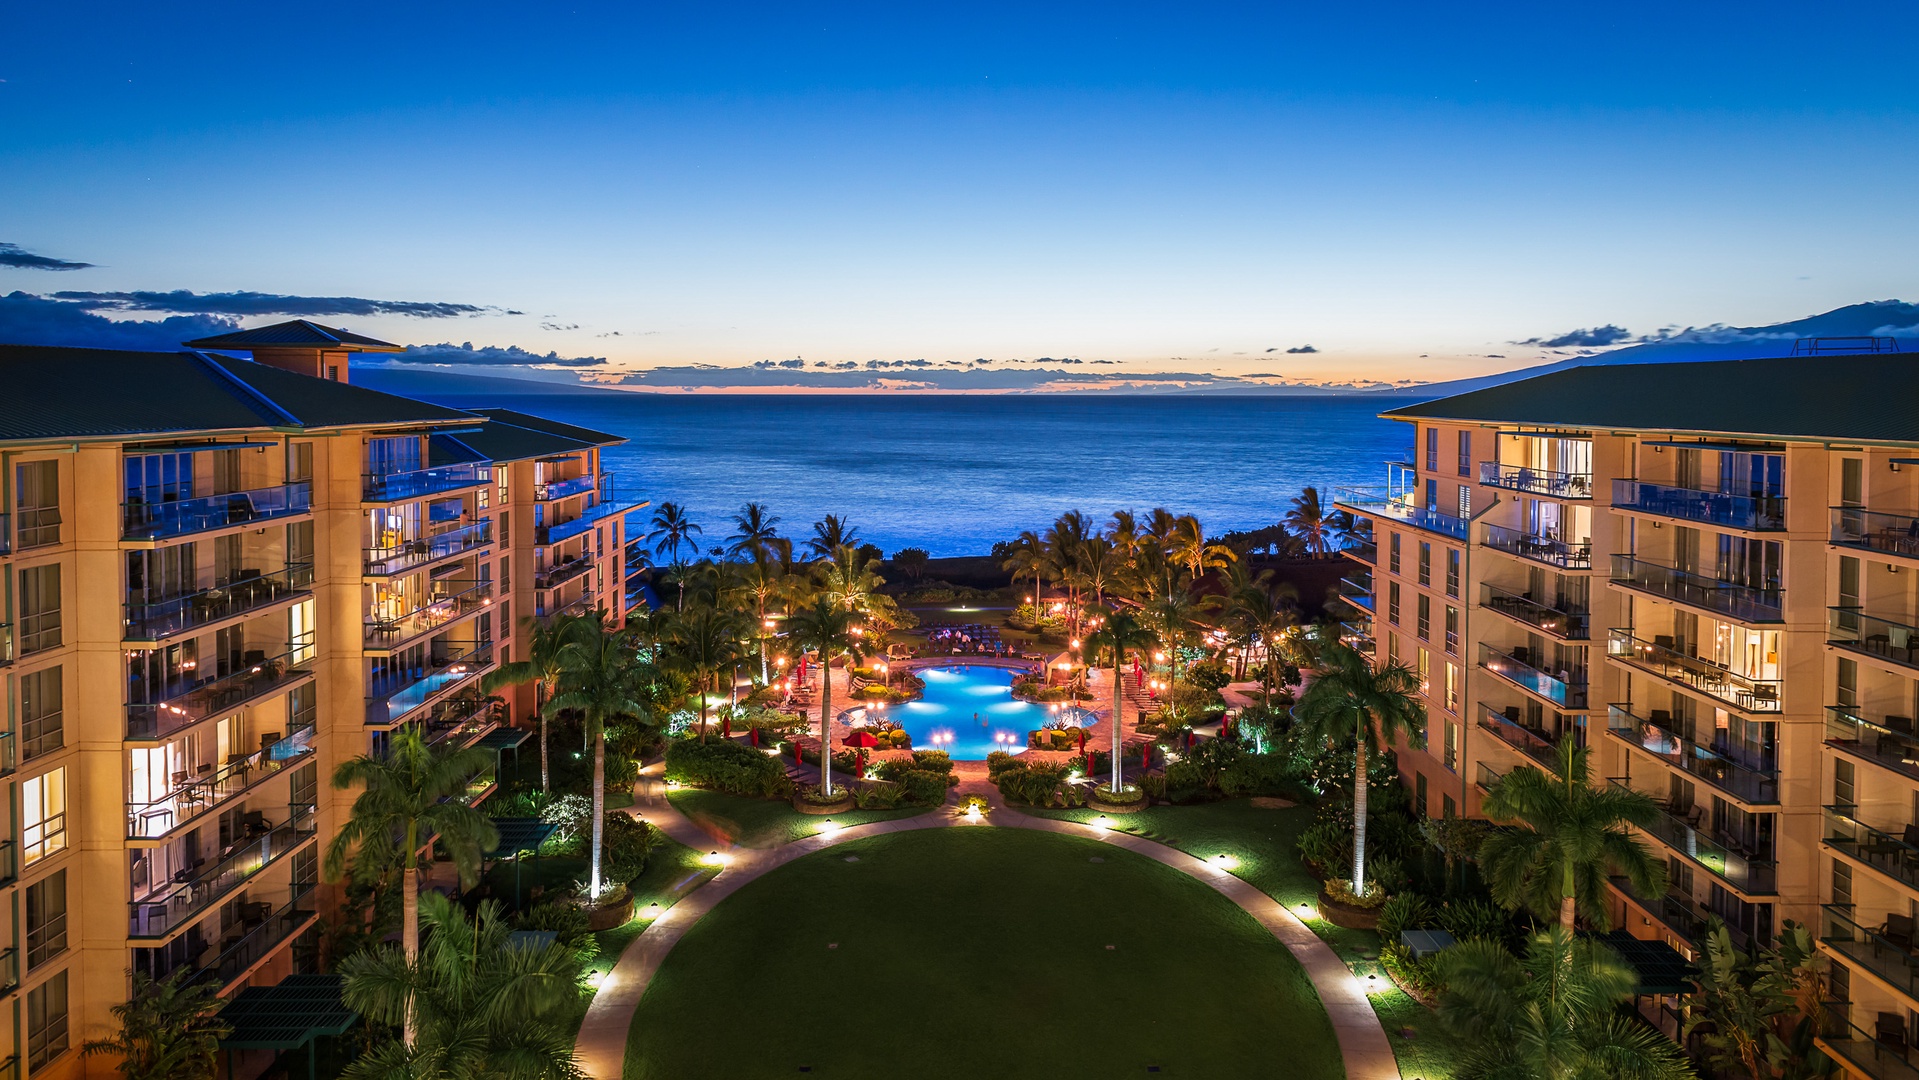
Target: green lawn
x: 766, y: 823
x: 672, y: 871
x: 972, y: 953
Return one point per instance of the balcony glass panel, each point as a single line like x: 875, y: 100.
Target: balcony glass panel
x: 1888, y: 741
x: 6, y: 641
x: 1719, y: 766
x: 1502, y: 726
x: 1556, y: 485
x: 189, y: 701
x: 6, y: 533
x: 1356, y: 594
x: 560, y: 489
x: 382, y: 561
x: 1754, y: 513
x: 1400, y: 507
x: 450, y: 600
x: 392, y: 696
x: 1565, y: 622
x: 162, y: 520
x: 1895, y: 856
x: 1864, y: 1054
x: 1566, y: 689
x: 1550, y: 550
x: 1852, y: 628
x: 255, y: 940
x: 1748, y: 871
x: 1881, y: 947
x: 1680, y: 913
x: 1738, y: 602
x: 196, y: 796
x: 1361, y: 548
x: 418, y: 484
x: 560, y: 573
x: 194, y: 891
x: 566, y: 530
x: 1889, y: 534
x: 1751, y: 695
x: 1485, y: 776
x: 148, y: 621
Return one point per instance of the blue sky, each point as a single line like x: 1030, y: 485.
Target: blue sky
x: 1406, y: 188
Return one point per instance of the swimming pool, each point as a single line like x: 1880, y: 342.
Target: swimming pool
x: 972, y: 703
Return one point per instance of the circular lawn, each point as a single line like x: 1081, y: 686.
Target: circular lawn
x: 979, y: 952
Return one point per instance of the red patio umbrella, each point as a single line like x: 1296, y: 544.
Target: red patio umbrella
x: 860, y: 739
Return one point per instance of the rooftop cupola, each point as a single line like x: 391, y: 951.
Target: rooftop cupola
x: 300, y: 346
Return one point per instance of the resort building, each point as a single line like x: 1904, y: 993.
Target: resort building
x: 1707, y: 573
x: 223, y: 577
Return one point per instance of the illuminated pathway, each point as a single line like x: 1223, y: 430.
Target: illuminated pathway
x: 602, y: 1043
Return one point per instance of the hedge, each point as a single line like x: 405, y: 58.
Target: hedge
x: 724, y: 765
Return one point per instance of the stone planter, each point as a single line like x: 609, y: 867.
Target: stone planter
x: 1350, y: 916
x: 606, y: 916
x: 1094, y: 802
x: 820, y: 809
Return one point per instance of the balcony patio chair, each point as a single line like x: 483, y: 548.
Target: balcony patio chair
x: 1897, y: 931
x: 1889, y: 1031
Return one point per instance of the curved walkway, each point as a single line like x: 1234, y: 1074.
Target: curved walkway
x: 601, y: 1047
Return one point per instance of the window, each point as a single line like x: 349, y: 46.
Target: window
x: 1465, y: 453
x: 46, y: 919
x: 1452, y: 572
x: 1452, y: 687
x: 1425, y: 563
x: 1447, y: 807
x: 1432, y: 449
x: 1392, y: 602
x: 1452, y: 629
x: 42, y: 730
x: 43, y: 814
x: 47, y: 1021
x: 1465, y: 501
x: 299, y: 462
x: 1843, y: 791
x: 1852, y: 484
x: 1841, y: 884
x: 1425, y: 617
x: 300, y: 632
x: 1392, y: 648
x: 1432, y: 495
x: 1452, y: 752
x: 1419, y: 794
x: 1392, y: 552
x: 389, y: 457
x: 1425, y: 671
x: 39, y: 602
x: 37, y: 498
x: 1848, y: 683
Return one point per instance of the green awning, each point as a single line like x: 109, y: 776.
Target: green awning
x: 288, y: 1015
x: 519, y: 834
x: 504, y: 738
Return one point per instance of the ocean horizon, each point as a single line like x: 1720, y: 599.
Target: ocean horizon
x: 954, y: 474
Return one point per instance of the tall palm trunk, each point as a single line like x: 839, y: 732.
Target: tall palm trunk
x: 599, y: 805
x: 546, y: 766
x: 826, y: 722
x: 1567, y: 899
x: 410, y: 917
x: 1359, y: 810
x: 1118, y: 659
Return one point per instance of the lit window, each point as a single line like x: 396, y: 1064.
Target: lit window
x: 43, y: 809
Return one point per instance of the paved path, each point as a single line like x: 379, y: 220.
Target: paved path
x: 602, y: 1042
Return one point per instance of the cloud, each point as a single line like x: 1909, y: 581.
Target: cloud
x: 485, y: 356
x: 952, y: 376
x: 187, y: 302
x: 559, y: 326
x: 21, y: 259
x: 1300, y: 350
x: 26, y: 319
x: 1597, y: 336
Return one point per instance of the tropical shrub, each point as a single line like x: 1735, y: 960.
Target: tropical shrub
x: 1417, y: 977
x: 936, y: 760
x: 1405, y: 911
x: 998, y: 762
x: 1257, y: 774
x: 878, y: 796
x: 1037, y: 783
x: 1467, y: 920
x: 626, y: 842
x: 1185, y: 782
x: 724, y: 765
x: 926, y: 787
x: 1208, y: 675
x: 1326, y: 845
x: 1340, y: 890
x: 1100, y: 766
x: 573, y: 814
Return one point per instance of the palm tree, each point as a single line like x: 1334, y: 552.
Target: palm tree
x: 1761, y: 1012
x: 544, y: 642
x: 850, y: 579
x: 601, y: 679
x: 764, y: 579
x: 672, y: 534
x: 1309, y: 521
x: 1574, y: 837
x: 169, y: 1030
x: 1098, y: 562
x: 1374, y: 706
x: 1263, y: 610
x: 1120, y: 634
x: 754, y: 530
x: 1172, y: 615
x: 830, y: 534
x: 1029, y: 557
x: 705, y: 640
x: 484, y: 1003
x: 405, y: 799
x: 1189, y: 548
x: 828, y: 627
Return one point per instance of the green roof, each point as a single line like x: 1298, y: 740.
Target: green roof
x: 296, y: 334
x: 502, y: 442
x: 552, y: 427
x: 288, y: 1014
x: 1868, y: 398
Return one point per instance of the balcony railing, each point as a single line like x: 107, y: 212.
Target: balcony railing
x: 6, y: 642
x: 156, y: 619
x: 560, y: 489
x: 162, y: 520
x: 6, y: 533
x: 188, y: 701
x: 1716, y: 680
x: 1400, y: 507
x: 460, y: 718
x: 1869, y: 947
x: 1895, y: 856
x: 1719, y: 766
x: 481, y: 785
x: 1564, y: 622
x: 1362, y: 548
x: 1889, y: 742
x: 1680, y: 913
x: 253, y: 945
x: 1864, y: 1054
x: 566, y: 530
x: 1754, y: 513
x: 194, y: 891
x: 1851, y: 628
x: 1356, y: 635
x: 406, y: 554
x: 392, y: 487
x: 1356, y: 594
x: 584, y: 604
x: 1874, y: 530
x: 451, y: 600
x: 1555, y: 485
x: 1747, y: 871
x: 193, y: 798
x: 555, y: 576
x: 1551, y: 550
x: 1485, y: 776
x: 1741, y: 603
x: 1533, y: 744
x: 1567, y: 689
x: 391, y: 697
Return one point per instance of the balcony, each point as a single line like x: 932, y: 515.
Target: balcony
x: 1889, y: 742
x: 1850, y: 628
x: 1659, y: 657
x: 253, y: 591
x: 1747, y: 871
x: 164, y: 520
x: 560, y: 573
x: 461, y: 719
x: 1357, y: 635
x: 1550, y: 550
x: 1564, y: 622
x: 1400, y: 507
x: 584, y: 604
x: 1869, y: 947
x: 1363, y: 549
x: 1567, y: 690
x: 560, y: 489
x: 6, y: 533
x: 392, y: 696
x: 1897, y: 857
x: 1753, y: 513
x: 255, y: 941
x: 1739, y: 603
x: 1876, y: 531
x: 1356, y: 594
x: 1678, y: 912
x: 1505, y: 726
x: 481, y: 785
x: 395, y: 487
x: 1553, y: 485
x: 185, y: 702
x: 567, y: 530
x: 1485, y: 776
x: 191, y: 799
x: 191, y: 893
x: 451, y: 601
x: 6, y: 643
x: 403, y: 555
x: 1864, y: 1055
x: 1718, y: 766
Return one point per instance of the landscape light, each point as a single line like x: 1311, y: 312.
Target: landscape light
x: 972, y: 811
x: 829, y: 827
x: 714, y: 858
x: 1102, y: 822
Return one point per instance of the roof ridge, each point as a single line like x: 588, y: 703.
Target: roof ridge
x: 247, y: 388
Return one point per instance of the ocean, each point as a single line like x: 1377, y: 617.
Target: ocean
x: 954, y: 474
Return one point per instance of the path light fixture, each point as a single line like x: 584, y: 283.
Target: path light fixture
x: 714, y: 858
x: 1102, y: 822
x: 972, y: 811
x: 829, y: 827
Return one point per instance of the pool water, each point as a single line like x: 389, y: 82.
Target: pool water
x: 971, y: 704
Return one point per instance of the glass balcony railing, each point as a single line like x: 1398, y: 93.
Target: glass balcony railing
x: 1551, y: 550
x: 1678, y: 911
x: 9, y: 862
x: 1506, y: 728
x: 1362, y: 548
x: 1553, y: 485
x: 1873, y: 530
x: 145, y: 520
x: 1851, y: 628
x: 1485, y: 776
x: 482, y: 785
x: 392, y: 487
x: 1563, y: 621
x: 6, y: 533
x: 393, y: 695
x: 560, y: 489
x: 1751, y: 872
x: 1356, y: 635
x: 566, y: 530
x: 1878, y: 1057
x: 1566, y: 689
x: 183, y: 702
x: 1895, y: 856
x: 156, y: 619
x: 1660, y: 658
x: 1723, y: 767
x: 461, y: 718
x: 1868, y: 945
x: 1357, y: 594
x: 1889, y: 742
x: 6, y: 643
x: 1400, y: 507
x: 559, y: 574
x: 1754, y: 513
x: 255, y: 941
x: 1739, y: 603
x: 193, y: 891
x: 192, y: 797
x: 402, y: 555
x: 584, y: 604
x: 450, y: 601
